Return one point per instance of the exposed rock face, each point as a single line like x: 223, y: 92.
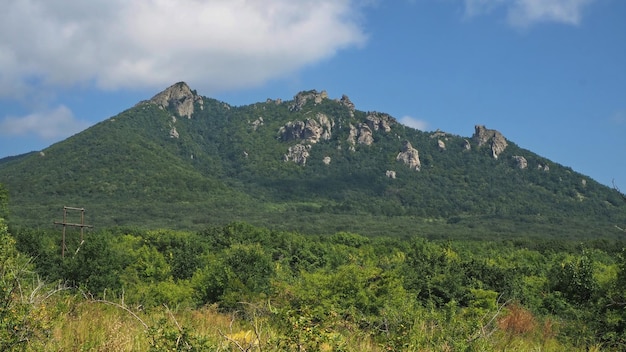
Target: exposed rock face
x: 439, y: 134
x: 441, y: 145
x: 181, y: 97
x: 326, y: 160
x: 345, y: 101
x: 361, y: 134
x: 312, y: 130
x: 492, y: 137
x: 467, y: 145
x: 174, y: 133
x: 376, y: 121
x: 298, y: 154
x: 256, y: 123
x: 292, y: 130
x: 301, y: 99
x: 520, y: 161
x: 391, y: 174
x: 352, y: 136
x: 365, y: 135
x: 409, y: 156
x: 543, y: 167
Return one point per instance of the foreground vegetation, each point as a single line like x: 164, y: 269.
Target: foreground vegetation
x: 239, y: 287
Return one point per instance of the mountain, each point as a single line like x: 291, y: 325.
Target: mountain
x: 311, y: 164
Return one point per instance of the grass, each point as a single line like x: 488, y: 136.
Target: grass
x: 89, y: 325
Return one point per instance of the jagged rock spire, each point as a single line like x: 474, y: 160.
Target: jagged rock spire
x: 180, y: 96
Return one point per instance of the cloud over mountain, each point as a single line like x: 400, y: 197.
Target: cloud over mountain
x: 214, y: 45
x: 49, y: 124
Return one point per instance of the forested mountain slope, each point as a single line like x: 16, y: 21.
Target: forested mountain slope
x: 311, y: 164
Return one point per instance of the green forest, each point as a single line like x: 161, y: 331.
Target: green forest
x: 239, y: 287
x: 227, y: 165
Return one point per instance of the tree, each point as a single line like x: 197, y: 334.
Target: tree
x: 4, y: 202
x: 574, y: 279
x: 434, y: 273
x: 19, y: 323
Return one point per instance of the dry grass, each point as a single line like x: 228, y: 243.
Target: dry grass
x: 518, y: 321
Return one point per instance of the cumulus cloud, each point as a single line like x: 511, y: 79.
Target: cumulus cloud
x: 524, y: 13
x: 51, y: 124
x: 413, y: 122
x: 212, y: 44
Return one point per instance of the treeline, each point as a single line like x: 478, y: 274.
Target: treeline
x: 344, y: 291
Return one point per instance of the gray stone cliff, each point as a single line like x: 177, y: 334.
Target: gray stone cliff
x: 180, y: 96
x: 493, y: 138
x: 409, y: 156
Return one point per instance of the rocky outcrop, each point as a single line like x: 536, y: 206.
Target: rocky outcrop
x: 180, y: 97
x: 439, y: 134
x: 390, y: 174
x: 441, y: 145
x: 173, y: 133
x: 377, y: 120
x: 467, y: 145
x: 303, y: 97
x: 312, y: 130
x: 543, y: 167
x: 256, y: 123
x: 298, y: 154
x: 345, y: 101
x: 409, y: 156
x: 361, y: 134
x: 365, y: 135
x: 326, y: 160
x: 493, y: 138
x: 293, y: 130
x: 520, y: 162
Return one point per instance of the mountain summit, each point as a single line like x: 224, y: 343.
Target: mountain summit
x: 312, y: 164
x: 178, y: 97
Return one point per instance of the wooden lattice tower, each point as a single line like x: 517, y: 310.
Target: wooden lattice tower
x: 66, y: 224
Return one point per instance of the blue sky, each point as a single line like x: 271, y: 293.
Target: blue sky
x: 549, y: 74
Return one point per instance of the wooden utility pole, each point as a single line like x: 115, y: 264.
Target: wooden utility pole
x: 66, y: 224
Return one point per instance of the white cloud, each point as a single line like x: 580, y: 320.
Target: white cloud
x: 413, y: 122
x: 51, y: 124
x: 524, y: 13
x: 212, y: 44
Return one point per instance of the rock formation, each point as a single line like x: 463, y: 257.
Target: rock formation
x: 365, y: 135
x: 467, y: 145
x: 326, y: 160
x: 361, y: 134
x: 520, y: 162
x: 390, y: 174
x: 298, y: 154
x: 441, y: 145
x: 495, y: 139
x: 180, y: 97
x: 303, y: 97
x: 377, y: 120
x: 174, y: 133
x: 312, y: 130
x: 345, y: 101
x: 256, y: 123
x: 409, y: 156
x: 439, y: 134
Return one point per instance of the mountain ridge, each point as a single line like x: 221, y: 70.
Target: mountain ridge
x: 183, y: 160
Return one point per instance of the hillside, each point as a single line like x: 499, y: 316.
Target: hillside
x: 312, y: 164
